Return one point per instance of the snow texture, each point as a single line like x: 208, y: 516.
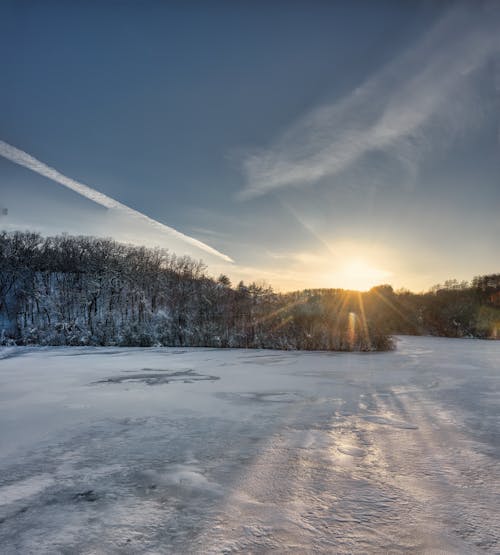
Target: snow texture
x: 115, y: 450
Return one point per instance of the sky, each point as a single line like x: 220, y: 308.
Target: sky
x: 298, y: 143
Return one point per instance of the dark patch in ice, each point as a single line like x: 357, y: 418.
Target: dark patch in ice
x: 13, y: 515
x: 159, y: 377
x: 88, y: 495
x: 270, y: 397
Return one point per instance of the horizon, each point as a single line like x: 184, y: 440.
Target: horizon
x: 312, y: 146
x: 450, y: 283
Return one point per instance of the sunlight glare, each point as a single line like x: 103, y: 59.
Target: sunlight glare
x: 359, y: 275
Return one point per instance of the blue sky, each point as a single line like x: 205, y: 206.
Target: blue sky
x: 313, y: 143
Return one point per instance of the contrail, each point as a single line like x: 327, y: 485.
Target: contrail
x: 24, y: 159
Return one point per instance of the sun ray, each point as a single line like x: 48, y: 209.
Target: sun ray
x: 364, y: 324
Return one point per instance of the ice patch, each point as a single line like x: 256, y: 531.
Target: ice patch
x: 264, y: 397
x: 308, y: 439
x: 390, y: 422
x: 25, y: 488
x: 351, y: 450
x: 314, y: 457
x: 185, y: 476
x: 158, y: 377
x: 266, y: 359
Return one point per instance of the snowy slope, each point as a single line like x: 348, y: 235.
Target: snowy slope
x: 106, y: 450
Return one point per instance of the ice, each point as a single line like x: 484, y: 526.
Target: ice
x: 24, y: 488
x: 233, y: 451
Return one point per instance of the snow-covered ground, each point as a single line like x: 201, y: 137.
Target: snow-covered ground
x: 106, y: 450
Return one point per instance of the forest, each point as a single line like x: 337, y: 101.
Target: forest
x: 67, y: 290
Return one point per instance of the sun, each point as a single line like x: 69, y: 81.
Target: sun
x: 359, y: 274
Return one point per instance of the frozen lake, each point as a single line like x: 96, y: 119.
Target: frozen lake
x: 107, y: 450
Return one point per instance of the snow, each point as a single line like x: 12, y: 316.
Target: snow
x: 108, y: 450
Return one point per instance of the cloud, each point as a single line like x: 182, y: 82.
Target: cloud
x: 422, y: 99
x: 24, y: 159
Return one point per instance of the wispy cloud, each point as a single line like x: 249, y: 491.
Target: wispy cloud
x: 24, y: 159
x: 423, y: 98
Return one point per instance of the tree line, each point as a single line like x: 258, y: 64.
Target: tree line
x: 68, y: 290
x: 87, y: 291
x: 452, y: 309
